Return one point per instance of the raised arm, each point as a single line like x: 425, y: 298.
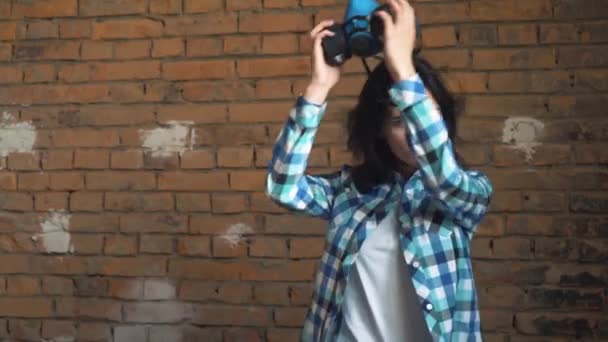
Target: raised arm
x: 465, y: 194
x: 287, y: 182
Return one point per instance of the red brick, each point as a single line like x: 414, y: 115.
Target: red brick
x: 153, y: 223
x: 520, y: 34
x: 165, y: 6
x: 439, y: 36
x: 26, y: 307
x: 280, y: 44
x: 205, y: 24
x: 223, y: 248
x: 129, y: 159
x: 193, y: 202
x: 135, y: 49
x: 284, y: 334
x: 111, y: 7
x: 198, y: 113
x: 10, y: 75
x: 248, y: 180
x: 125, y: 70
x: 442, y: 12
x: 193, y: 181
x: 54, y: 50
x: 66, y: 181
x: 120, y: 245
x: 44, y: 9
x: 40, y: 30
x: 588, y: 56
x: 156, y: 244
x: 496, y: 10
x: 233, y: 134
x: 271, y: 294
x: 194, y: 6
x: 225, y: 315
x: 236, y: 45
x: 84, y: 137
x: 93, y: 308
x: 87, y: 244
x: 273, y: 89
x: 222, y: 224
x: 194, y: 245
x: 120, y: 180
x: 236, y: 157
x: 228, y: 203
x: 75, y: 29
x: 136, y: 266
x: 274, y: 22
x: 192, y: 70
x: 239, y: 5
x: 24, y: 161
x: 259, y: 112
x: 447, y: 59
x: 45, y: 201
x: 290, y: 317
x: 8, y: 30
x: 94, y: 331
x: 38, y: 73
x: 268, y: 247
x: 86, y: 201
x: 24, y: 329
x: 171, y: 47
x: 306, y: 247
x: 123, y: 201
x: 213, y: 91
x: 8, y: 181
x: 56, y: 328
x: 97, y: 50
x: 23, y: 286
x: 128, y: 28
x: 513, y: 58
x: 91, y: 159
x: 227, y: 293
x: 33, y: 181
x: 267, y: 67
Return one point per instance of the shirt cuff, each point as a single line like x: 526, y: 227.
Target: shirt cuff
x: 308, y: 114
x: 408, y: 92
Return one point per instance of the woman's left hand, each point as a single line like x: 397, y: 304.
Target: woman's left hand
x: 399, y: 39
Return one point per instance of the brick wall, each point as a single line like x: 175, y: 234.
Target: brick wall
x: 134, y: 138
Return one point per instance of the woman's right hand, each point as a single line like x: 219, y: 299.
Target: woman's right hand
x: 324, y: 76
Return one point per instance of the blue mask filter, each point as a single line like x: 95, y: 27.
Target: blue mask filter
x: 359, y: 35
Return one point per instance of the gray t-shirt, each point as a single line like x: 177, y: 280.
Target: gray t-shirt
x: 380, y: 303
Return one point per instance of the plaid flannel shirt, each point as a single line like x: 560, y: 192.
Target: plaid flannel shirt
x: 442, y: 205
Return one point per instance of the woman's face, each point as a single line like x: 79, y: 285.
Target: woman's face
x: 395, y: 134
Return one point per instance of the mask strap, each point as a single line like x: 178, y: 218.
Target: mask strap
x: 369, y: 72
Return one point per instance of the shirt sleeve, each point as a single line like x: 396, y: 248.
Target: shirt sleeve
x: 465, y: 194
x: 287, y: 182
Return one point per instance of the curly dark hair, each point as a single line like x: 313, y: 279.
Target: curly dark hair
x: 365, y: 122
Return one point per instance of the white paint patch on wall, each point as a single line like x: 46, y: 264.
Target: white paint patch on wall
x: 15, y: 136
x: 234, y: 234
x: 177, y: 136
x: 55, y: 236
x: 523, y: 133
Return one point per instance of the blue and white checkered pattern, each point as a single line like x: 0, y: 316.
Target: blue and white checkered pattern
x: 442, y: 205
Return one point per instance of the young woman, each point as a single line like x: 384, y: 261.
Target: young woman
x: 396, y: 265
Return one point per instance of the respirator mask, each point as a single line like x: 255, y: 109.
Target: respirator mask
x: 360, y: 35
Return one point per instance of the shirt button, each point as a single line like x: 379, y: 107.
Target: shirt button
x: 429, y: 306
x: 416, y: 264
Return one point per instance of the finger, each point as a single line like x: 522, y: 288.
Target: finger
x: 394, y: 7
x: 318, y: 40
x: 320, y: 27
x: 387, y: 19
